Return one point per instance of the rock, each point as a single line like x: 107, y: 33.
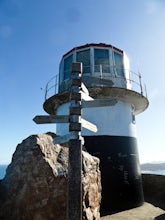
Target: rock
x: 35, y: 185
x: 154, y: 190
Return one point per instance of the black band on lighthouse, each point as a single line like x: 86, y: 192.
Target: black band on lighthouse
x: 120, y: 173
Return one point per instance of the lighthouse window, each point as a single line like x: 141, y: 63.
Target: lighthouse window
x: 67, y: 66
x: 84, y: 57
x: 101, y: 60
x: 61, y: 72
x: 118, y: 68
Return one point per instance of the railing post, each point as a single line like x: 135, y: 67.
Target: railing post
x: 140, y: 81
x: 46, y: 90
x: 101, y: 71
x: 56, y: 84
x: 145, y: 90
x: 74, y: 210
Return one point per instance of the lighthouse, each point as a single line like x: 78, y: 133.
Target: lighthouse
x: 116, y: 96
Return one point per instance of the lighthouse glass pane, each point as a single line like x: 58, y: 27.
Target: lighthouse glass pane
x: 84, y: 57
x: 118, y: 64
x: 101, y: 57
x: 61, y: 73
x: 67, y: 66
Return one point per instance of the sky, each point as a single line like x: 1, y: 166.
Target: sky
x: 35, y: 34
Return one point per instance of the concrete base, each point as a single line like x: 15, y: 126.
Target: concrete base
x: 144, y: 212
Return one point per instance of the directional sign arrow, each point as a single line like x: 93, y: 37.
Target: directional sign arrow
x: 85, y: 96
x: 88, y: 125
x: 98, y: 103
x: 84, y: 89
x: 47, y: 119
x: 66, y: 138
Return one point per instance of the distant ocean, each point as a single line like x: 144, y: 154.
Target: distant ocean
x: 2, y: 171
x: 158, y: 172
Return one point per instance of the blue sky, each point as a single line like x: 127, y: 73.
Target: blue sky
x: 35, y: 34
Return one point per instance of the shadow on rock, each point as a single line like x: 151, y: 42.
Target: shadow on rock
x: 160, y: 217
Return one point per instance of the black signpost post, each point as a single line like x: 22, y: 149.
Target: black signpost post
x: 75, y: 147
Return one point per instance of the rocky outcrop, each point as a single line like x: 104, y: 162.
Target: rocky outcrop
x: 154, y: 190
x: 35, y: 185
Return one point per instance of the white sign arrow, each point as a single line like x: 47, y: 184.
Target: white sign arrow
x: 98, y: 103
x: 88, y: 125
x: 66, y: 138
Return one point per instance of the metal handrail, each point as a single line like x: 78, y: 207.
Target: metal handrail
x: 134, y: 79
x: 53, y: 86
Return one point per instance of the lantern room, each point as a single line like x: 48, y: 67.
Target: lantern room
x: 103, y: 65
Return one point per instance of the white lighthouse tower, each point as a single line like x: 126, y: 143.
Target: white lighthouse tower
x: 117, y: 96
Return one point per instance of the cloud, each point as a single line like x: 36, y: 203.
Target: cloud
x: 153, y: 94
x: 153, y: 6
x: 5, y: 31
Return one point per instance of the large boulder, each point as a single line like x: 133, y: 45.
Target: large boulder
x: 35, y: 185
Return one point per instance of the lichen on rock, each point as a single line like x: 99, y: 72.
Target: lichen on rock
x: 35, y: 185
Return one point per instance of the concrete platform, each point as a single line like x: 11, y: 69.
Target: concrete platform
x: 144, y: 212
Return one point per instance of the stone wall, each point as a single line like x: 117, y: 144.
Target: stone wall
x: 154, y: 189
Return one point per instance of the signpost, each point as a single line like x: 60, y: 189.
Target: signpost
x: 46, y: 119
x: 78, y: 93
x: 75, y: 146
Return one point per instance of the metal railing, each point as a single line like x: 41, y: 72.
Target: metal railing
x: 51, y: 86
x: 133, y: 80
